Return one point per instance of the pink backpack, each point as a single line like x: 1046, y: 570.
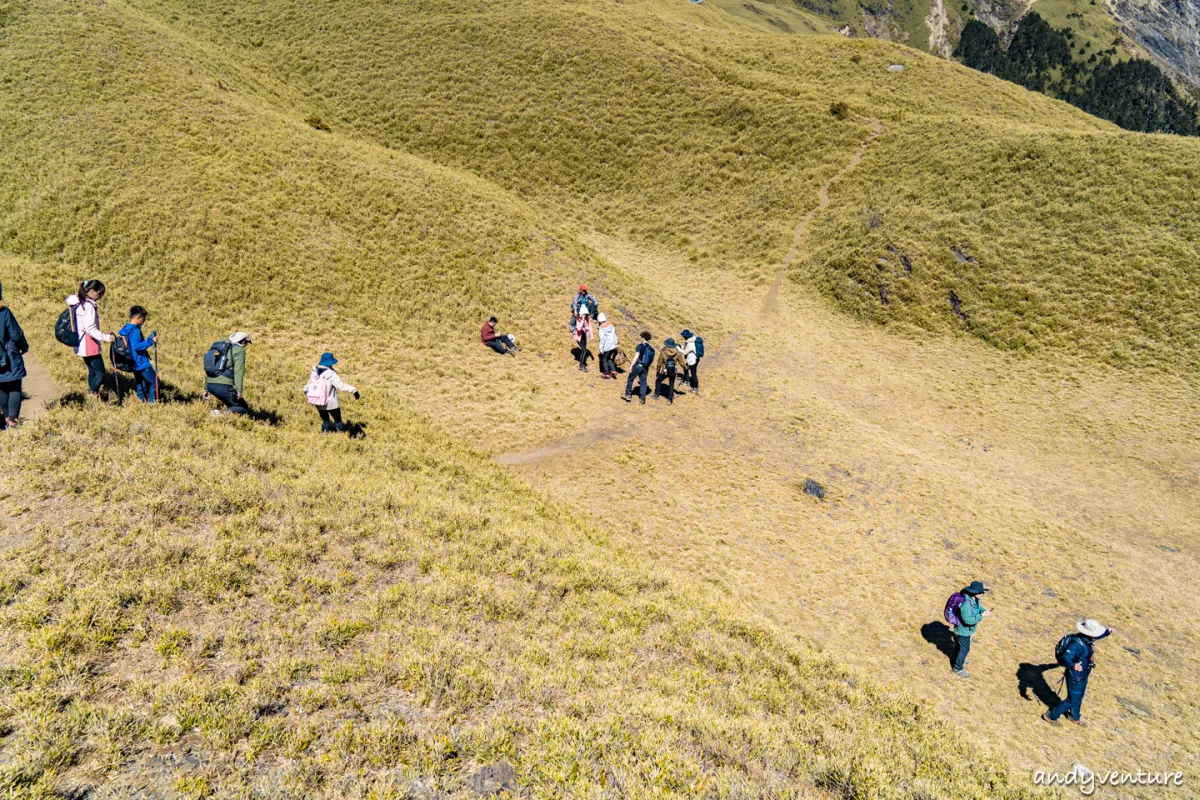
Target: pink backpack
x: 317, y: 390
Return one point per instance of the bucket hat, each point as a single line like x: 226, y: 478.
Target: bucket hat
x: 1091, y: 628
x: 976, y: 587
x: 327, y: 360
x: 241, y: 337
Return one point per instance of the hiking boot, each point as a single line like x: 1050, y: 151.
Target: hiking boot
x: 643, y: 401
x: 1054, y: 722
x: 962, y: 673
x: 216, y: 412
x: 626, y: 398
x: 1078, y: 722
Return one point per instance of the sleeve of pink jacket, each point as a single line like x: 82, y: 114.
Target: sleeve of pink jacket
x: 89, y: 316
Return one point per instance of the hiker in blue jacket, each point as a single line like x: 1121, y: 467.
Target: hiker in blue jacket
x: 1075, y: 652
x: 970, y: 612
x: 643, y: 358
x: 145, y: 378
x: 13, y: 348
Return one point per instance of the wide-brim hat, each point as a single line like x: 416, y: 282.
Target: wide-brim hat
x: 670, y: 343
x: 686, y: 334
x: 976, y: 587
x: 241, y: 337
x: 327, y: 360
x: 1090, y: 627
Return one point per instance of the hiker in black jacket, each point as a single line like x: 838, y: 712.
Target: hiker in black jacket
x: 643, y: 358
x: 1076, y: 654
x: 13, y: 348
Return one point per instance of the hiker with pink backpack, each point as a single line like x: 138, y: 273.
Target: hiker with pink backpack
x: 322, y: 389
x: 963, y: 612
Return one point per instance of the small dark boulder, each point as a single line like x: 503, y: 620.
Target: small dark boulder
x: 1134, y: 707
x: 814, y: 489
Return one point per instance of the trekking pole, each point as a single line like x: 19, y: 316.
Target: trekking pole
x: 116, y: 375
x: 156, y: 397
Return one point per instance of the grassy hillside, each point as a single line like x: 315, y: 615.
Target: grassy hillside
x: 662, y: 125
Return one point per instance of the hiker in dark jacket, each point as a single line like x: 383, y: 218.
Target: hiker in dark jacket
x: 145, y: 378
x: 504, y: 344
x: 643, y: 358
x: 671, y: 363
x: 584, y: 300
x: 13, y: 348
x: 970, y: 612
x: 1078, y: 659
x: 228, y: 386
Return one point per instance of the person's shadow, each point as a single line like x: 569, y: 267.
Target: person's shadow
x: 1033, y: 676
x: 941, y: 637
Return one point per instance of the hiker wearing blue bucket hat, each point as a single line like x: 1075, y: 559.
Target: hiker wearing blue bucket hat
x: 322, y: 390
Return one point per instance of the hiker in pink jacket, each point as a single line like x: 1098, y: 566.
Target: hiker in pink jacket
x: 87, y: 324
x: 583, y: 329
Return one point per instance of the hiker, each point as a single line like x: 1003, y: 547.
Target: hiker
x: 86, y: 318
x: 144, y: 376
x: 670, y: 364
x: 504, y: 344
x: 964, y: 611
x: 584, y: 300
x: 693, y: 351
x: 607, y: 347
x: 642, y: 359
x: 225, y: 373
x: 583, y: 329
x: 13, y: 348
x: 1075, y: 654
x: 322, y: 391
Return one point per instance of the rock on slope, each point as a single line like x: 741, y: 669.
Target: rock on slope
x: 1169, y: 31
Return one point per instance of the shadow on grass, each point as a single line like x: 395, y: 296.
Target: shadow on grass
x: 1033, y: 676
x: 575, y: 355
x: 940, y: 636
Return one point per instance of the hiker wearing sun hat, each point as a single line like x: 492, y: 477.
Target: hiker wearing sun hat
x: 1075, y: 652
x: 965, y: 611
x: 322, y: 390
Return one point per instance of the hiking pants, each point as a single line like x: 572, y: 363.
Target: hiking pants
x: 331, y: 420
x: 96, y: 374
x: 607, y: 367
x: 145, y: 383
x: 10, y: 400
x: 638, y: 372
x: 583, y: 351
x: 962, y: 646
x: 1074, y: 702
x: 665, y: 386
x: 689, y: 374
x: 497, y: 345
x: 229, y: 396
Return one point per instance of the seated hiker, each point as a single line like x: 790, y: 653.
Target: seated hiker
x: 583, y: 330
x: 670, y: 365
x: 13, y: 348
x: 584, y: 300
x: 145, y: 378
x: 322, y: 390
x: 501, y: 343
x: 607, y: 347
x: 643, y: 358
x: 225, y: 372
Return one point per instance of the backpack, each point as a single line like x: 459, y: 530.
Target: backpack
x: 950, y: 613
x: 699, y: 348
x: 65, y: 330
x: 1060, y: 649
x: 647, y: 356
x: 593, y: 307
x: 122, y: 354
x: 217, y: 363
x: 670, y: 365
x: 317, y: 390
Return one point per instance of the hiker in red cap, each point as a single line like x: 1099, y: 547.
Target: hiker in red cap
x: 583, y: 300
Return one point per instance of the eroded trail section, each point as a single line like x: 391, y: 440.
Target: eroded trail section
x: 39, y: 388
x: 771, y: 301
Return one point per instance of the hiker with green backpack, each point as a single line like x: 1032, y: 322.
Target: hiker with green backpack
x: 1075, y: 653
x: 225, y: 372
x: 963, y: 613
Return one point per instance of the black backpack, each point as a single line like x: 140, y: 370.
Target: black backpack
x: 670, y: 365
x: 1060, y: 649
x: 65, y: 330
x: 217, y: 363
x: 122, y: 354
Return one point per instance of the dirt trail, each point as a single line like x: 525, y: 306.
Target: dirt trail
x: 771, y: 301
x: 39, y: 388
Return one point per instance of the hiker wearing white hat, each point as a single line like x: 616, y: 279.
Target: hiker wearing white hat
x: 583, y: 329
x: 1075, y: 652
x: 608, y: 347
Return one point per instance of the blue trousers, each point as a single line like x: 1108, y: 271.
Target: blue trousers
x: 962, y: 646
x: 638, y: 372
x: 145, y: 383
x: 1071, y: 706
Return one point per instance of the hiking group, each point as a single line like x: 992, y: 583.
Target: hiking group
x: 588, y: 323
x: 1075, y: 652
